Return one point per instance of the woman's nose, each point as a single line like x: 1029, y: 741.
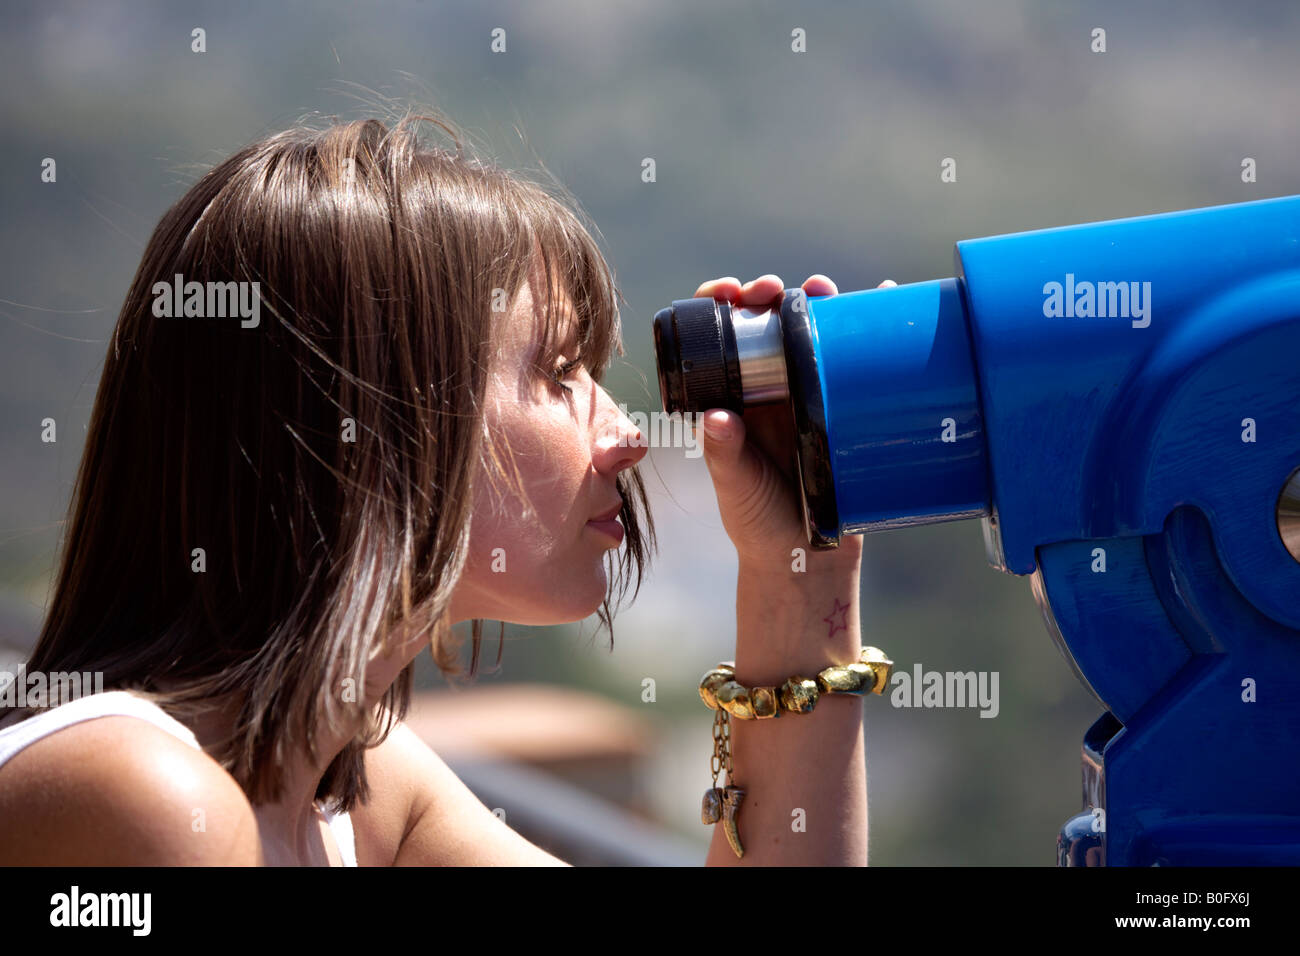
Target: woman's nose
x: 620, y: 443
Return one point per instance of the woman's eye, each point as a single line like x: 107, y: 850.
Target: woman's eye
x: 562, y: 370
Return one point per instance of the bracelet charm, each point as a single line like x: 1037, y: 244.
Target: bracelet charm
x: 799, y: 695
x: 728, y: 698
x: 720, y: 689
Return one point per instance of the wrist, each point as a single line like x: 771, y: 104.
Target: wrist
x: 804, y: 564
x: 796, y: 625
x: 774, y: 589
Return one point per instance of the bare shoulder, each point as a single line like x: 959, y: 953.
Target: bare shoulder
x: 427, y: 816
x: 116, y: 791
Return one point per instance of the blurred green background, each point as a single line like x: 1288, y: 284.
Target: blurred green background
x: 767, y: 160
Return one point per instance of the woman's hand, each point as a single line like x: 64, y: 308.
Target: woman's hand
x: 753, y: 462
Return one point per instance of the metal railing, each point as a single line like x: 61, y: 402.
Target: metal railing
x: 571, y: 823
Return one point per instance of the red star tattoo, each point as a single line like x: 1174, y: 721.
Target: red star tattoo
x: 840, y: 611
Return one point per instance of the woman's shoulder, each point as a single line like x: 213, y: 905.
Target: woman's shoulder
x: 429, y: 817
x: 383, y: 822
x: 119, y: 789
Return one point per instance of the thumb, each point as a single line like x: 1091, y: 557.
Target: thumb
x: 732, y: 463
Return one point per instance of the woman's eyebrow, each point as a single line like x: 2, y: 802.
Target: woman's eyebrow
x: 564, y: 341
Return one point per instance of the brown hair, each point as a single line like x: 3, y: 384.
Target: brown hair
x: 378, y: 259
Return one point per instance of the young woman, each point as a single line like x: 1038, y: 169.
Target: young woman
x: 352, y: 399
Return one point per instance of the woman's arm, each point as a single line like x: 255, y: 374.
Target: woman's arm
x: 443, y: 822
x: 804, y: 775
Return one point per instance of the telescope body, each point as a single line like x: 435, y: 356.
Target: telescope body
x: 1119, y: 402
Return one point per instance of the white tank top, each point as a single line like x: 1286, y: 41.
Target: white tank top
x: 115, y: 703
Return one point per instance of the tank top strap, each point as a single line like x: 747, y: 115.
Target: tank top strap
x: 340, y: 825
x: 121, y: 703
x: 114, y: 703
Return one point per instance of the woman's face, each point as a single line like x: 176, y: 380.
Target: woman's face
x: 535, y: 558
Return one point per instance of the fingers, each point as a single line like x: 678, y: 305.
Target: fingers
x: 819, y: 285
x: 760, y: 291
x: 757, y: 292
x: 727, y: 288
x: 722, y: 425
x: 733, y: 465
x: 765, y: 288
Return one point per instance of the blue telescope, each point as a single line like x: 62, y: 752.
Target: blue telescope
x: 1119, y: 403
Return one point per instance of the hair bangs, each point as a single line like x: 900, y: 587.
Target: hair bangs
x: 581, y: 296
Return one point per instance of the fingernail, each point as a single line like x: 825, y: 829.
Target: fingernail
x: 717, y: 426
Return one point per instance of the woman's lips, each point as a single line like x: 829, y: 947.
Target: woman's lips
x: 607, y: 522
x: 610, y: 527
x: 611, y: 513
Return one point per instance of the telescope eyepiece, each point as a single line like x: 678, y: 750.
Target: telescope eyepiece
x: 710, y: 354
x: 696, y: 355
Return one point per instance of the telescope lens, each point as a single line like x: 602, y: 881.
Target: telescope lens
x: 695, y: 351
x: 699, y: 366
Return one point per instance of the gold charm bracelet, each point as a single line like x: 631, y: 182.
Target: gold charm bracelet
x: 723, y: 694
